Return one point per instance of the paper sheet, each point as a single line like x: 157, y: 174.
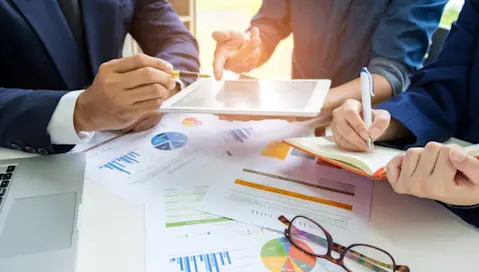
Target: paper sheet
x: 136, y: 165
x: 180, y: 239
x: 284, y: 181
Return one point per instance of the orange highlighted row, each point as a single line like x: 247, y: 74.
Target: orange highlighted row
x: 293, y: 194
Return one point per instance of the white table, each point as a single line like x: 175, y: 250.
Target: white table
x: 419, y: 233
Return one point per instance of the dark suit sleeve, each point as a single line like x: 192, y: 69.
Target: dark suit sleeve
x: 433, y: 106
x: 24, y: 118
x: 159, y: 32
x: 402, y: 38
x: 273, y: 22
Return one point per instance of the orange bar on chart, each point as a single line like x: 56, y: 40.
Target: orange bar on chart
x: 275, y: 149
x: 294, y: 194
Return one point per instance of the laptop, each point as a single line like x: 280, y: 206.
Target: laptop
x: 39, y: 210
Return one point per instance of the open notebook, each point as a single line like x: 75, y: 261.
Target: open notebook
x: 369, y: 164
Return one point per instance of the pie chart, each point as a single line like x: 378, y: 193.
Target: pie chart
x: 191, y: 122
x: 169, y: 141
x: 279, y: 255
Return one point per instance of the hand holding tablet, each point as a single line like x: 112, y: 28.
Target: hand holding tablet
x: 279, y: 99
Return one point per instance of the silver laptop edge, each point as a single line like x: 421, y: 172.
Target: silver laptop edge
x: 39, y: 213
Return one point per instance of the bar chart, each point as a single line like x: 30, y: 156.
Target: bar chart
x: 209, y: 262
x: 121, y: 163
x: 240, y: 135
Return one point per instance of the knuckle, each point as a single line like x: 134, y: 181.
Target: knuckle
x: 433, y: 146
x: 415, y: 151
x: 150, y: 73
x: 103, y: 67
x: 140, y: 59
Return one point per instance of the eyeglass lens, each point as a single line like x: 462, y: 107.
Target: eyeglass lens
x: 308, y: 236
x: 368, y: 259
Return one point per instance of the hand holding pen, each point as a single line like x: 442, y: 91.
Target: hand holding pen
x: 355, y: 124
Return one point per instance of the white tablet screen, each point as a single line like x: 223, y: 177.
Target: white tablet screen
x: 249, y: 95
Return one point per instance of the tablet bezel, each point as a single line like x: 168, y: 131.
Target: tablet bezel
x: 312, y: 108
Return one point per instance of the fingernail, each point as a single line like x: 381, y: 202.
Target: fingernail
x: 374, y: 133
x: 169, y: 66
x: 457, y: 155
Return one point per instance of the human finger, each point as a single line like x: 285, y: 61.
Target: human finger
x: 140, y: 61
x: 428, y: 160
x: 393, y: 171
x: 351, y: 111
x: 147, y: 92
x: 465, y: 163
x: 341, y: 141
x: 232, y: 38
x: 241, y: 57
x: 410, y: 162
x: 147, y: 76
x: 346, y: 131
x: 148, y: 122
x: 381, y: 120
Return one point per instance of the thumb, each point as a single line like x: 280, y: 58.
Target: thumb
x: 465, y: 163
x: 381, y: 119
x: 221, y: 36
x: 254, y: 33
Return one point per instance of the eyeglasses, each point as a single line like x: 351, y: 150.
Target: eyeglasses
x: 312, y: 239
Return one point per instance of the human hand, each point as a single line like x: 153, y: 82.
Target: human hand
x: 123, y: 91
x: 236, y: 51
x: 350, y: 131
x: 438, y: 172
x: 145, y: 122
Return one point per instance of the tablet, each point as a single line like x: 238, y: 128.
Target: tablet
x: 297, y: 98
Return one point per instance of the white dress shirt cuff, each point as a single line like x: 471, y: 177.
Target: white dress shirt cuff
x: 61, y: 126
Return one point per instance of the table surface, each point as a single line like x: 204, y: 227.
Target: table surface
x: 417, y: 232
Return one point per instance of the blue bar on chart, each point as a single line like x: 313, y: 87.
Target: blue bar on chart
x: 121, y: 163
x: 240, y: 135
x: 212, y: 262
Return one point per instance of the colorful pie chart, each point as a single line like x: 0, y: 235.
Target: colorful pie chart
x: 279, y: 255
x: 191, y: 122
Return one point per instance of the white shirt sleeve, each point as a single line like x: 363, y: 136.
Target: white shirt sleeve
x: 61, y: 126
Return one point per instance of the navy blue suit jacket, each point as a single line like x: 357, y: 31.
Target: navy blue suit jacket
x: 40, y: 61
x: 443, y: 100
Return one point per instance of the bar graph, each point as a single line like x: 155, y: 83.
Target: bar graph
x: 121, y: 163
x: 240, y: 135
x: 209, y: 262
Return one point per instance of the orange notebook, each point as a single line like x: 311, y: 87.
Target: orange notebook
x: 371, y: 164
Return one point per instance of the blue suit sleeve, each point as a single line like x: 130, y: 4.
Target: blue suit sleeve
x: 24, y: 118
x: 159, y: 32
x: 402, y: 39
x: 433, y: 105
x: 272, y: 20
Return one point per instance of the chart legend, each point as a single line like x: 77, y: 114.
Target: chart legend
x: 121, y: 163
x: 210, y: 262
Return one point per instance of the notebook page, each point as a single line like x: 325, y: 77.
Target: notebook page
x: 325, y: 146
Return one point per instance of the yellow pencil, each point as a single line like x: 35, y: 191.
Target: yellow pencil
x: 186, y: 74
